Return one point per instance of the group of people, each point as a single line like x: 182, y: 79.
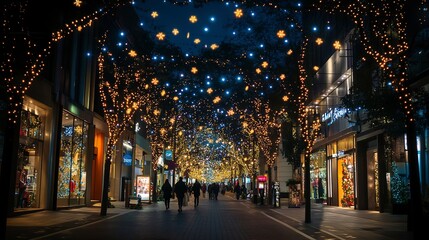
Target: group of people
x: 182, y: 192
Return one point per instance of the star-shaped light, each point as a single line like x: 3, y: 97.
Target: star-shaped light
x: 79, y: 28
x: 264, y: 64
x: 289, y: 52
x: 230, y: 112
x: 337, y: 45
x: 155, y: 81
x: 319, y: 41
x: 245, y: 124
x: 281, y: 34
x: 209, y: 91
x: 194, y: 70
x: 154, y: 14
x: 238, y: 13
x: 175, y: 98
x: 156, y: 112
x: 216, y: 99
x: 258, y: 71
x: 175, y: 31
x: 160, y: 36
x: 214, y: 46
x: 197, y: 40
x: 193, y: 19
x: 132, y: 53
x: 285, y: 98
x: 77, y: 3
x: 282, y: 76
x: 163, y: 93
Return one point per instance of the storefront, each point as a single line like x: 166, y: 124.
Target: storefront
x: 340, y: 156
x: 72, y: 171
x: 318, y: 176
x: 31, y: 155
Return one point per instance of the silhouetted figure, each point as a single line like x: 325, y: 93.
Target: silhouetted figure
x: 180, y: 189
x: 167, y: 190
x: 196, y: 189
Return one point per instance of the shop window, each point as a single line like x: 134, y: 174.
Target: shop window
x: 27, y: 183
x: 72, y: 162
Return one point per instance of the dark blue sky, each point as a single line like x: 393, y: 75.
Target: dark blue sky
x: 210, y: 26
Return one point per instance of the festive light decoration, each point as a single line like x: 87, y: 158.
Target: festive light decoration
x: 77, y: 3
x: 238, y: 13
x: 193, y: 19
x: 281, y: 34
x: 388, y: 42
x: 154, y: 14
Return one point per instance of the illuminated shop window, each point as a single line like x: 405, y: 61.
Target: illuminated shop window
x: 72, y: 162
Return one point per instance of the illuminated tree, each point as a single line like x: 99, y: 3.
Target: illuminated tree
x: 123, y: 84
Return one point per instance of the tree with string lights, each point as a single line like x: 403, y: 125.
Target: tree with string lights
x: 382, y: 28
x: 123, y: 86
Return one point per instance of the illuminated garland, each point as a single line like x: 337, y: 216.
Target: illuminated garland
x: 16, y: 47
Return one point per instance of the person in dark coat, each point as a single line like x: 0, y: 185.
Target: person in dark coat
x: 167, y: 190
x: 196, y: 189
x: 180, y: 189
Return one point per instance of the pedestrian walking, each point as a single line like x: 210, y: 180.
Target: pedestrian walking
x: 196, y: 189
x: 204, y: 189
x: 166, y: 190
x: 237, y: 191
x: 180, y: 190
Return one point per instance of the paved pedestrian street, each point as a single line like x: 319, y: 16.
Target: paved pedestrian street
x: 225, y: 218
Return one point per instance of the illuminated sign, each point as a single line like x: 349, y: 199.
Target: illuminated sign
x: 262, y: 178
x: 333, y: 114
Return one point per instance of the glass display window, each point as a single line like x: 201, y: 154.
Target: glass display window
x: 30, y: 150
x: 72, y: 162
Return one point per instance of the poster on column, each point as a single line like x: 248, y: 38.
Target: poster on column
x: 143, y: 188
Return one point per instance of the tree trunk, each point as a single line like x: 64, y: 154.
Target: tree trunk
x: 106, y: 178
x: 415, y: 216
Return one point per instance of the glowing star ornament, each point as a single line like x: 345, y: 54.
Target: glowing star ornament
x: 155, y: 81
x: 285, y: 98
x: 77, y: 3
x: 197, y: 41
x: 209, y: 91
x: 160, y: 36
x: 231, y: 112
x: 238, y: 13
x: 282, y: 76
x: 154, y: 14
x: 163, y: 93
x: 216, y: 99
x: 289, y: 52
x: 337, y: 45
x: 175, y: 98
x: 193, y: 19
x: 264, y: 64
x: 156, y: 112
x: 194, y: 70
x: 132, y: 53
x: 258, y: 71
x: 319, y: 41
x: 79, y: 28
x: 281, y: 34
x: 214, y: 46
x: 175, y: 32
